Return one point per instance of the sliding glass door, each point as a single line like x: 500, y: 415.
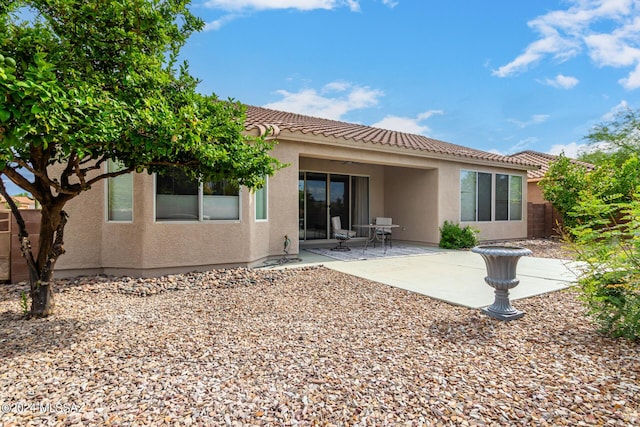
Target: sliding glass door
x: 322, y: 196
x: 316, y: 206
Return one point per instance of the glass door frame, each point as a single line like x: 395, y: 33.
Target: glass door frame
x: 303, y: 206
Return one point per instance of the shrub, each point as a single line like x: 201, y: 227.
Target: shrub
x: 452, y: 236
x: 607, y: 241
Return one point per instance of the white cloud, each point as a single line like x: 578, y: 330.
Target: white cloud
x: 572, y: 149
x: 611, y: 114
x: 562, y: 82
x: 338, y: 86
x: 333, y: 101
x: 239, y: 8
x: 354, y: 5
x: 563, y: 34
x: 523, y: 144
x: 407, y: 124
x: 218, y: 23
x: 237, y: 5
x: 633, y: 81
x: 534, y: 120
x: 390, y: 3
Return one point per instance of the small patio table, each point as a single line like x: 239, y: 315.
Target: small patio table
x: 374, y: 235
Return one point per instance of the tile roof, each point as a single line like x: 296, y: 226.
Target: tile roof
x: 261, y: 119
x: 543, y: 160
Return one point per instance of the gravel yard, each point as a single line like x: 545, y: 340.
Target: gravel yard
x: 306, y: 346
x: 543, y: 248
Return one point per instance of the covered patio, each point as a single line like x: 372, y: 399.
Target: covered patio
x: 358, y: 192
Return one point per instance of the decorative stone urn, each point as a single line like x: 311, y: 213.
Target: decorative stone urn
x: 501, y: 264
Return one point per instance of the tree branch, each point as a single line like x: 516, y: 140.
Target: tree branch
x: 20, y: 180
x: 96, y: 166
x: 71, y: 163
x: 57, y: 248
x: 42, y: 175
x: 109, y: 175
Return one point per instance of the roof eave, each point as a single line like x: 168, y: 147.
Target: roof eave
x: 372, y: 146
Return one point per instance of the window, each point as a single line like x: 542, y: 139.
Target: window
x: 508, y: 197
x: 176, y: 197
x: 502, y: 197
x: 475, y: 196
x: 261, y: 202
x: 515, y: 198
x: 181, y: 198
x: 119, y: 194
x: 221, y: 200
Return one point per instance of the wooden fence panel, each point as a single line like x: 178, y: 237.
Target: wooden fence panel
x: 19, y: 271
x: 543, y: 220
x: 5, y: 245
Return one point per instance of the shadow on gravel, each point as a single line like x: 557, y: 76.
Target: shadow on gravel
x: 22, y: 336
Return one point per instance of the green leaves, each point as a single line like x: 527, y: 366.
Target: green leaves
x: 603, y: 208
x: 96, y: 79
x: 562, y: 185
x: 608, y: 243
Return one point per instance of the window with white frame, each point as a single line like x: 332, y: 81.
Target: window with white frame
x: 261, y: 202
x: 221, y: 200
x: 475, y: 196
x: 515, y: 198
x: 119, y: 194
x: 181, y: 198
x: 508, y: 197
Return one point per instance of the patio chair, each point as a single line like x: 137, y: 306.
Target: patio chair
x: 383, y: 232
x: 340, y: 235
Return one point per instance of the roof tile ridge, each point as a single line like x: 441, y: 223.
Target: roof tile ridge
x: 312, y: 124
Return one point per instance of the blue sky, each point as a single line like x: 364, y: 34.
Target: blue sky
x: 496, y: 75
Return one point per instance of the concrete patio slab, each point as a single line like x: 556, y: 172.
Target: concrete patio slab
x: 456, y: 277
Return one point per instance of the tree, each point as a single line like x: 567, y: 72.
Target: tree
x: 566, y: 183
x: 562, y: 184
x: 83, y: 82
x: 620, y: 137
x: 613, y: 143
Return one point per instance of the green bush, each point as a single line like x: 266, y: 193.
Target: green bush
x: 452, y: 236
x: 607, y: 241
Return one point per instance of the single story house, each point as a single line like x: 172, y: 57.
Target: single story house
x: 145, y: 225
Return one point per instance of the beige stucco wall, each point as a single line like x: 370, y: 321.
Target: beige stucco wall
x: 147, y: 247
x: 411, y: 200
x: 535, y: 193
x: 419, y: 193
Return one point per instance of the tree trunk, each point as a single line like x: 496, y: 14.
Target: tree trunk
x: 42, y: 301
x: 51, y: 247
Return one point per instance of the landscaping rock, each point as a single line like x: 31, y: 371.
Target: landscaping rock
x: 304, y: 347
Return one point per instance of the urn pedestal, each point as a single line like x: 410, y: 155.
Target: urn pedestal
x: 501, y: 262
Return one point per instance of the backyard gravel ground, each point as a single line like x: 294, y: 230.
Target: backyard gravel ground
x: 542, y: 248
x: 306, y: 346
